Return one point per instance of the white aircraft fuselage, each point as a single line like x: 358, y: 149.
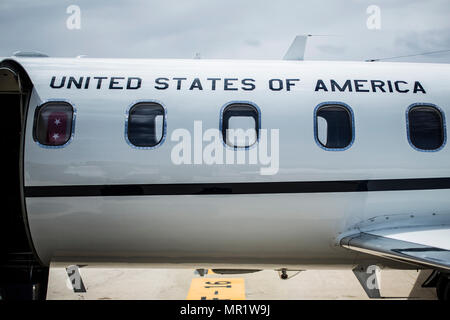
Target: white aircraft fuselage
x: 99, y: 198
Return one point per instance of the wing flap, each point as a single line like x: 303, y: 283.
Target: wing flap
x: 438, y: 236
x: 424, y: 247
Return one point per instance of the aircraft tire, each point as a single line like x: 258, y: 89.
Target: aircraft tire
x: 443, y: 288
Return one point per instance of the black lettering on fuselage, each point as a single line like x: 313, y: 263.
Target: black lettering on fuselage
x: 76, y: 83
x: 130, y: 83
x: 397, y: 88
x: 86, y: 83
x: 276, y: 84
x: 290, y: 83
x: 213, y: 82
x: 99, y: 81
x: 60, y: 85
x: 235, y: 84
x: 179, y: 80
x: 320, y: 85
x: 113, y: 82
x: 196, y: 84
x: 161, y: 83
x: 418, y: 87
x: 359, y: 85
x: 390, y: 86
x: 335, y: 85
x: 248, y: 84
x: 377, y: 84
x: 227, y: 85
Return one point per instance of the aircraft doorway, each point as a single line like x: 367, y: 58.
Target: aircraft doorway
x: 21, y: 276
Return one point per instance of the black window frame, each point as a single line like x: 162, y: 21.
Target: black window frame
x: 226, y: 114
x: 37, y: 114
x: 441, y: 114
x: 129, y: 118
x: 334, y: 104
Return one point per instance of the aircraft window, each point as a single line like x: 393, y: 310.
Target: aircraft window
x: 334, y: 126
x: 146, y: 124
x: 426, y: 129
x: 240, y: 125
x: 53, y: 124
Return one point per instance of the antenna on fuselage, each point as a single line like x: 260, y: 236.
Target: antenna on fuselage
x: 409, y: 55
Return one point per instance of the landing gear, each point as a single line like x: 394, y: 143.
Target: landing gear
x: 23, y: 282
x: 369, y: 278
x: 443, y: 287
x: 440, y: 281
x: 284, y: 273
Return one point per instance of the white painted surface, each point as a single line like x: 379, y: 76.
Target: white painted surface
x: 295, y: 229
x: 438, y: 237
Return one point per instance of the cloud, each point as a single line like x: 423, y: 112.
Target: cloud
x: 235, y: 29
x: 336, y: 50
x: 253, y: 42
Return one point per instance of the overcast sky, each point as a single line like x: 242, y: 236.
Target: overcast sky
x: 231, y: 29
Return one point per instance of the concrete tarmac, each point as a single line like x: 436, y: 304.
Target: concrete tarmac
x: 175, y: 284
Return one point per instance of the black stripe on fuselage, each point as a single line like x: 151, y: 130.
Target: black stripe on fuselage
x: 237, y: 188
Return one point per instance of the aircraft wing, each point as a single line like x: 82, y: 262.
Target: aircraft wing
x: 423, y: 246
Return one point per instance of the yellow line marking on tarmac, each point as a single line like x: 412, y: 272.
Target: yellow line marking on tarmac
x: 217, y: 289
